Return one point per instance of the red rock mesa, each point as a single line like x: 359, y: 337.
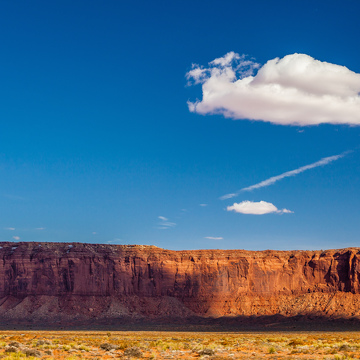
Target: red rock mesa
x: 57, y: 281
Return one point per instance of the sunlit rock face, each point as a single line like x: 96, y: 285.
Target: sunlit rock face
x: 56, y: 281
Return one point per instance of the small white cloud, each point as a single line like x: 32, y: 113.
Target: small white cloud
x: 16, y: 237
x: 9, y: 228
x: 214, y: 237
x: 94, y: 232
x: 203, y: 205
x: 256, y: 208
x: 40, y: 228
x: 165, y: 224
x: 168, y: 223
x: 294, y: 90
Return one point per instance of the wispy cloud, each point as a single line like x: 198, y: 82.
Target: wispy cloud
x: 16, y: 237
x: 114, y: 241
x: 214, y: 237
x: 256, y: 208
x: 294, y: 90
x: 40, y: 228
x: 274, y: 179
x: 9, y: 228
x: 229, y: 196
x: 203, y: 205
x: 165, y: 224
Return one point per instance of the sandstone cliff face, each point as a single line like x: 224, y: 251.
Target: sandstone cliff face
x: 55, y: 280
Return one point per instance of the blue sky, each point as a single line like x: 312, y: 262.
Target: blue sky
x: 98, y: 142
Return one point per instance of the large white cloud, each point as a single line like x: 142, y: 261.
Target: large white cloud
x: 256, y: 208
x: 294, y: 90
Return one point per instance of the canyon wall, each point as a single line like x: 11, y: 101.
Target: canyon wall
x: 52, y: 281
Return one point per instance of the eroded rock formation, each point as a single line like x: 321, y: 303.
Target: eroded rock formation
x: 54, y: 281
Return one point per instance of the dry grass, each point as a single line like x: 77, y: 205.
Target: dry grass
x: 75, y: 345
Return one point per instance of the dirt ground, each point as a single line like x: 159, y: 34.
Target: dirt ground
x: 74, y: 345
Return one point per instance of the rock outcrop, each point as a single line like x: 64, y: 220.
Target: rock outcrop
x: 62, y: 281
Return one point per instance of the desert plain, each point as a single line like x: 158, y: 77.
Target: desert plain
x: 74, y: 345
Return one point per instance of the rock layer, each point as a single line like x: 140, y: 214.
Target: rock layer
x: 54, y: 281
